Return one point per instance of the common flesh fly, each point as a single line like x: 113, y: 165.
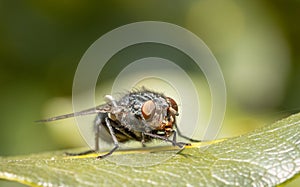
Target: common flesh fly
x: 140, y: 115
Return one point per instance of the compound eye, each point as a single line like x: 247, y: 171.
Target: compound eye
x: 172, y: 103
x: 148, y: 109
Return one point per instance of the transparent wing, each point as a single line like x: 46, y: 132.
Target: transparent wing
x: 105, y: 108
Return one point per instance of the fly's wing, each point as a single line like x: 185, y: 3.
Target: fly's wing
x: 105, y: 108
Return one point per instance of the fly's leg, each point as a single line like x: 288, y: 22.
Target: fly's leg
x: 143, y: 140
x: 89, y: 151
x: 81, y: 153
x: 174, y: 142
x: 100, y: 120
x: 112, y: 133
x: 179, y: 144
x: 183, y: 136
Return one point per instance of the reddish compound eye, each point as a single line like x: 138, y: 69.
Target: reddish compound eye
x: 172, y: 103
x: 173, y: 107
x: 148, y: 109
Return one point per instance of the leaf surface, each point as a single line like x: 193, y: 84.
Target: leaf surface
x: 265, y: 157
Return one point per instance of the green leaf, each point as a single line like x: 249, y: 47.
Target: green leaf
x: 265, y: 157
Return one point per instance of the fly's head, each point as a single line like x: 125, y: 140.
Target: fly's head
x: 162, y: 117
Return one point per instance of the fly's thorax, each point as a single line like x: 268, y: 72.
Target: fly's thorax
x: 145, y: 112
x: 128, y: 119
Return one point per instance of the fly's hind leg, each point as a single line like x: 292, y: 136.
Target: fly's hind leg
x: 114, y: 138
x: 100, y: 120
x: 81, y: 153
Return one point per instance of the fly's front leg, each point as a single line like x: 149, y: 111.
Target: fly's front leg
x: 174, y: 143
x: 183, y: 136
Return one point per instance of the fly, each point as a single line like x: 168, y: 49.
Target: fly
x: 140, y: 115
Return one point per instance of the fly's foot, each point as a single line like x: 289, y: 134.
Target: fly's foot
x: 181, y: 144
x: 81, y: 153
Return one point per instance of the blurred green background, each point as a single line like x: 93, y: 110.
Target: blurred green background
x: 41, y: 43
